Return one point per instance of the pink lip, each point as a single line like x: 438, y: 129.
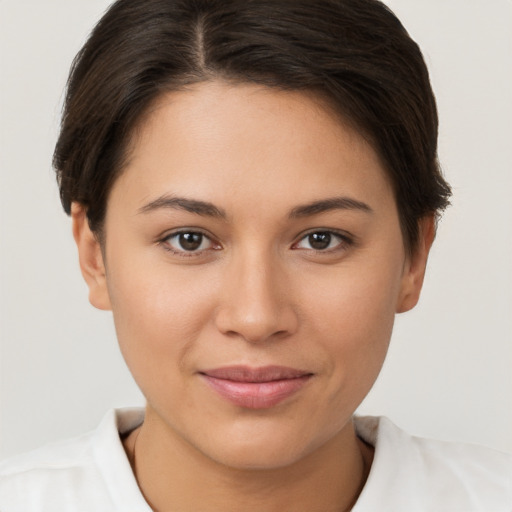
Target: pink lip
x: 256, y: 388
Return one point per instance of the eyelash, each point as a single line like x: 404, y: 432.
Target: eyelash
x: 184, y: 253
x: 345, y: 241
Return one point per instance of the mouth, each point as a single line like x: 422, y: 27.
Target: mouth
x: 256, y: 388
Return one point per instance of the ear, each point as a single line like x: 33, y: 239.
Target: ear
x: 414, y: 268
x: 91, y: 258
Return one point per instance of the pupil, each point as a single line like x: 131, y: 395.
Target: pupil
x: 190, y: 241
x: 320, y: 240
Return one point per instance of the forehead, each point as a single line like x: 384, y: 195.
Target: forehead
x: 217, y: 140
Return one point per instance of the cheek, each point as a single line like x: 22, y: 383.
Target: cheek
x: 353, y: 319
x: 158, y: 314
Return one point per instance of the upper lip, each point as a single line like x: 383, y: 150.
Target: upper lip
x: 260, y: 374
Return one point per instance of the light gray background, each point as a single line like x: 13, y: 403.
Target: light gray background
x: 448, y: 374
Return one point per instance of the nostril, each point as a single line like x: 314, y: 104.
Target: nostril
x: 256, y: 332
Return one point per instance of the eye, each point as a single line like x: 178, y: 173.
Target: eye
x: 188, y: 242
x: 322, y: 241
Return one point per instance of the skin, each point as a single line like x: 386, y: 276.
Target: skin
x: 256, y: 293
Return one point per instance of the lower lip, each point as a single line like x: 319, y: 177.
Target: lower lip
x: 256, y: 395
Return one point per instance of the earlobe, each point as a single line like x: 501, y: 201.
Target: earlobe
x: 414, y: 271
x: 90, y: 258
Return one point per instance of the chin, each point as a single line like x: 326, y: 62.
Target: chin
x: 262, y: 447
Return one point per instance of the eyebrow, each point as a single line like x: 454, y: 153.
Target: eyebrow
x: 181, y: 203
x: 325, y: 205
x: 207, y: 209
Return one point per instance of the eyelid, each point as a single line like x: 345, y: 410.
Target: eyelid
x: 163, y: 241
x: 347, y: 240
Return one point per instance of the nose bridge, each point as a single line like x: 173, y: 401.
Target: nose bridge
x: 255, y: 305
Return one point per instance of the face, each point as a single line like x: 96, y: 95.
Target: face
x: 254, y: 263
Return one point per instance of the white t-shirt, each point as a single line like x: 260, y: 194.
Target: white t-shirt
x: 409, y: 474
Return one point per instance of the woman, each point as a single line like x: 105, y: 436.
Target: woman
x: 254, y: 191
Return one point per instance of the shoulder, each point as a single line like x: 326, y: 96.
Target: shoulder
x: 30, y: 480
x: 80, y: 472
x: 414, y: 473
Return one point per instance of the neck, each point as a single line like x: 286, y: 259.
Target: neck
x: 173, y: 475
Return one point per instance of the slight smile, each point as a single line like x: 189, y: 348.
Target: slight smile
x: 256, y: 388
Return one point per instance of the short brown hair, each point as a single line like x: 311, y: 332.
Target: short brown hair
x: 354, y: 53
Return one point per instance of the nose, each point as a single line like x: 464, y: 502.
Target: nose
x: 257, y: 303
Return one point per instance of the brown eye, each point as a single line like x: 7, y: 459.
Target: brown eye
x: 323, y: 241
x: 319, y: 241
x: 189, y: 241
